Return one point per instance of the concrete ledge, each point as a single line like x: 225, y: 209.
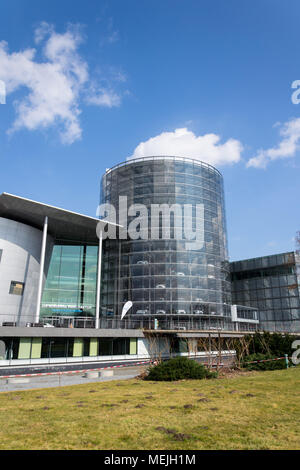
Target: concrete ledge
x: 107, y: 373
x: 93, y: 374
x: 32, y: 332
x: 18, y: 380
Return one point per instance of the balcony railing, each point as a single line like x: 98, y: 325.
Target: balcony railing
x: 171, y: 322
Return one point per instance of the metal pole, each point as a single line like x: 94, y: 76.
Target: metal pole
x: 99, y: 279
x: 286, y: 360
x: 42, y: 264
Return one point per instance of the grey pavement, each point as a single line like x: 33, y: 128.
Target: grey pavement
x: 50, y: 381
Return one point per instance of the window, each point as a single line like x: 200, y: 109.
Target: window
x: 16, y: 288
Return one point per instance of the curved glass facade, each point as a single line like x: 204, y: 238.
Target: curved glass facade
x: 167, y: 277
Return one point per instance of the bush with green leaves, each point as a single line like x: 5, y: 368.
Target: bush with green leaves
x: 274, y: 344
x: 269, y: 365
x: 179, y: 368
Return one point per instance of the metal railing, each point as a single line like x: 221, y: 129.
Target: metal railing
x: 137, y: 323
x: 163, y: 157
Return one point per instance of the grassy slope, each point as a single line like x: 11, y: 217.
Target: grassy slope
x: 256, y: 411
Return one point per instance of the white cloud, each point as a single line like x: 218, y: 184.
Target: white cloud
x: 100, y: 91
x: 104, y: 97
x: 42, y: 31
x: 54, y: 86
x: 287, y: 147
x: 184, y: 143
x: 112, y: 35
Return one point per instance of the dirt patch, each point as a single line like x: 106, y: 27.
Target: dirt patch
x: 142, y: 376
x: 178, y: 436
x: 188, y: 406
x: 226, y: 373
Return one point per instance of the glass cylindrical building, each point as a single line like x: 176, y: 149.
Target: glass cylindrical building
x: 166, y: 276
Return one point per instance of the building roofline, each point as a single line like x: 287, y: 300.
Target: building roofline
x: 164, y: 157
x: 63, y: 224
x: 264, y: 256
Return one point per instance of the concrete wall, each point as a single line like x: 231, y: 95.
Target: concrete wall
x: 20, y: 261
x: 153, y: 347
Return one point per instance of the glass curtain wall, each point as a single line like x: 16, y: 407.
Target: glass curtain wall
x: 70, y: 288
x: 270, y: 284
x: 164, y: 277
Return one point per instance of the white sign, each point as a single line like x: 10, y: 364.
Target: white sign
x: 126, y: 307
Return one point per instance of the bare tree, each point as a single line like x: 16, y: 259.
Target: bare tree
x: 158, y: 346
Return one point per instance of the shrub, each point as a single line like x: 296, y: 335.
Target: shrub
x: 270, y: 365
x: 275, y: 344
x: 177, y: 369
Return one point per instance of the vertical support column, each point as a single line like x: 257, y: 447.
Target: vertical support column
x: 42, y: 264
x: 24, y: 348
x: 93, y: 347
x: 36, y: 348
x: 132, y: 346
x: 98, y: 292
x: 78, y: 347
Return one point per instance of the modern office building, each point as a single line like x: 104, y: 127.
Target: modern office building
x: 65, y: 277
x: 165, y: 275
x: 45, y: 246
x: 70, y: 288
x: 20, y: 249
x: 270, y: 284
x: 50, y: 276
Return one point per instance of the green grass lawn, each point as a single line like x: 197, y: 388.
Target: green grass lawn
x: 258, y: 410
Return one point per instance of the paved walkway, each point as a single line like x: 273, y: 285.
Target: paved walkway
x: 27, y: 383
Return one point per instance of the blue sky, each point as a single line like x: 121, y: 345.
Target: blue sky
x: 134, y: 70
